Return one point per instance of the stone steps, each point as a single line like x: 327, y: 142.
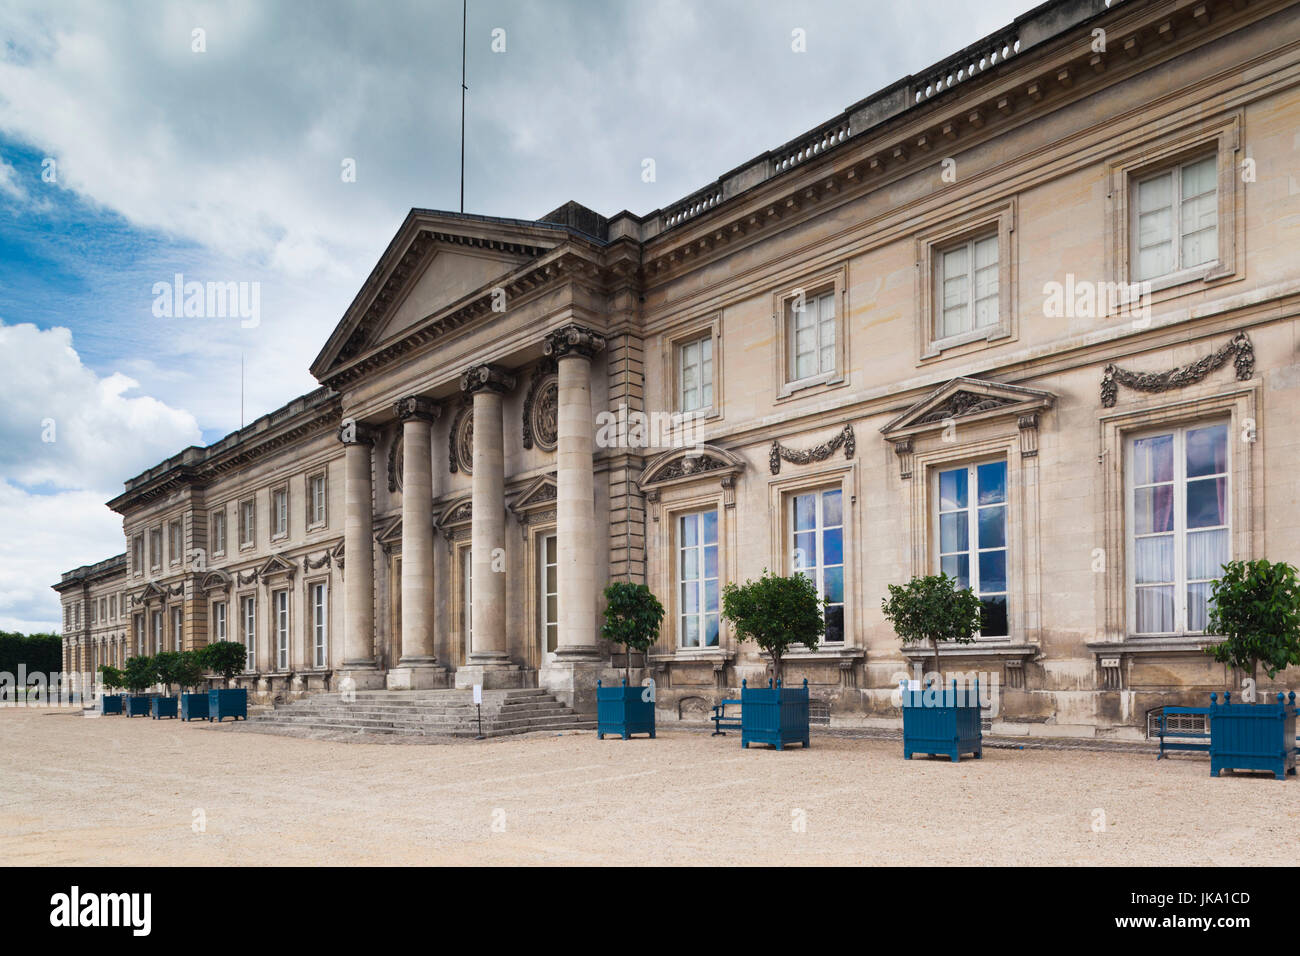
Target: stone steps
x: 429, y: 713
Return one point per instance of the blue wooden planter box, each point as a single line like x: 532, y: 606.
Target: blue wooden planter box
x: 1253, y: 736
x: 227, y: 703
x: 138, y: 705
x: 621, y: 711
x: 773, y: 715
x: 194, y: 706
x: 163, y: 707
x: 946, y: 722
x: 110, y: 704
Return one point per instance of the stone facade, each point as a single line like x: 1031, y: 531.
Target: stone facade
x: 1066, y: 248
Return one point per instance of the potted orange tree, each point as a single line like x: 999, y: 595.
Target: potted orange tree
x: 226, y: 658
x: 632, y: 618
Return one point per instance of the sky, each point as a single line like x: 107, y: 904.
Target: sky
x: 279, y: 145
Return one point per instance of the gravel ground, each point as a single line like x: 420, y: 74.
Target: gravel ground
x: 113, y: 791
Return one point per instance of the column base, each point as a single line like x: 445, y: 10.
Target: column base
x: 493, y: 675
x: 573, y: 681
x: 417, y: 675
x: 364, y: 675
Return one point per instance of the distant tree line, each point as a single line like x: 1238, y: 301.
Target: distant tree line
x: 41, y: 653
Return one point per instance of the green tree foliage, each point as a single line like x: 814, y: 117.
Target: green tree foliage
x: 1255, y: 606
x: 113, y: 678
x: 165, y: 665
x: 934, y: 609
x: 38, y: 653
x: 189, y: 669
x: 776, y: 613
x: 632, y: 618
x: 139, y: 673
x: 226, y: 658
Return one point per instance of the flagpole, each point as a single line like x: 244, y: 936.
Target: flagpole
x: 464, y: 21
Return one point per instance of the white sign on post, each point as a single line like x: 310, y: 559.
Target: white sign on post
x: 478, y: 693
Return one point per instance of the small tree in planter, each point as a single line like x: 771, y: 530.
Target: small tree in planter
x: 1255, y: 606
x: 934, y: 609
x: 112, y: 679
x: 138, y: 675
x: 632, y: 618
x: 226, y: 658
x: 165, y: 664
x: 776, y: 613
x: 189, y: 672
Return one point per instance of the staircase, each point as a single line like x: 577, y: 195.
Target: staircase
x: 422, y: 713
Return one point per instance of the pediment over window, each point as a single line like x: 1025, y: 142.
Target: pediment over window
x: 967, y: 400
x: 277, y: 566
x: 152, y: 591
x: 680, y: 466
x: 389, y: 535
x: 455, y: 520
x: 215, y: 581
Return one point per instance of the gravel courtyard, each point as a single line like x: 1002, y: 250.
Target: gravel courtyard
x: 112, y: 791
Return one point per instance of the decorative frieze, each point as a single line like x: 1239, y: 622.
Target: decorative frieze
x: 1240, y: 350
x: 794, y: 456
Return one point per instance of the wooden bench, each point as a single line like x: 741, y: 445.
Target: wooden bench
x: 1183, y: 738
x: 721, y: 719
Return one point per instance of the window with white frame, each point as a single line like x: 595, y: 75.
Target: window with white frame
x: 1176, y: 219
x: 280, y: 512
x: 175, y: 541
x: 316, y: 512
x: 1180, y: 534
x: 280, y: 607
x: 248, y: 616
x: 247, y: 522
x: 816, y: 546
x: 138, y: 627
x: 157, y: 624
x: 697, y: 579
x: 137, y: 554
x: 966, y: 286
x: 467, y: 597
x: 219, y: 531
x: 972, y: 537
x: 178, y: 625
x: 155, y: 548
x: 812, y: 335
x: 219, y: 621
x: 548, y: 589
x: 695, y: 374
x: 319, y: 625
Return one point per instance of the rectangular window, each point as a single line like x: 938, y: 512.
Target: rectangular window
x: 695, y: 375
x: 248, y: 613
x: 155, y: 548
x: 139, y: 634
x: 317, y: 512
x: 812, y: 331
x: 966, y: 287
x: 219, y: 621
x: 1179, y: 536
x: 697, y: 576
x: 1176, y: 219
x: 175, y: 541
x: 219, y: 531
x: 817, y: 551
x: 280, y: 602
x: 280, y: 509
x: 137, y: 554
x: 972, y: 537
x: 157, y: 624
x: 467, y: 596
x: 112, y: 607
x: 549, y: 590
x: 319, y: 626
x: 178, y: 625
x: 247, y: 522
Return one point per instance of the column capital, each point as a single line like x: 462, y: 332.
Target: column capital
x: 573, y: 340
x: 485, y: 377
x: 353, y: 432
x: 417, y: 407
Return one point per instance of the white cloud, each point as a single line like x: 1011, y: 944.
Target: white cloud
x: 9, y: 184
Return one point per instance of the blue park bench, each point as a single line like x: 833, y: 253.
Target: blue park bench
x: 722, y: 719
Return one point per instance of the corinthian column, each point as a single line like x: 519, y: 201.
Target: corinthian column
x: 417, y: 668
x: 488, y: 662
x: 573, y: 674
x: 358, y: 665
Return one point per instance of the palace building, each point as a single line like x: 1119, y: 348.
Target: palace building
x: 1029, y: 316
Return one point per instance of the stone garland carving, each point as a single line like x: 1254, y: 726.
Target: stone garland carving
x: 460, y: 441
x: 246, y: 578
x: 688, y: 465
x: 1240, y: 348
x: 816, y: 453
x: 963, y: 403
x: 395, y: 463
x: 309, y: 565
x: 541, y: 408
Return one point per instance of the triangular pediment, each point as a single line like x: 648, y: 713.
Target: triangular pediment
x: 276, y: 565
x: 541, y: 493
x: 436, y: 262
x: 968, y: 399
